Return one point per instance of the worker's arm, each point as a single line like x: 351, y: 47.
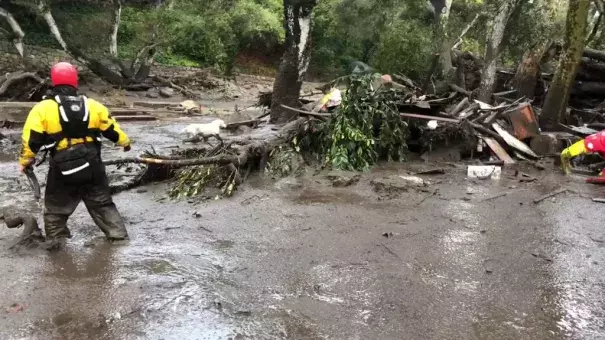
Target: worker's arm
x: 574, y: 150
x: 110, y: 129
x: 32, y: 138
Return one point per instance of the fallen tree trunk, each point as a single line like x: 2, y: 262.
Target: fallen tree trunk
x: 15, y: 77
x: 594, y: 54
x: 238, y: 154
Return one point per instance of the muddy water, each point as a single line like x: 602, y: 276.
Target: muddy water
x: 298, y: 259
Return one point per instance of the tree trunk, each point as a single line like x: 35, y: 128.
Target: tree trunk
x: 555, y: 103
x: 44, y: 9
x: 146, y: 63
x: 595, y: 29
x: 18, y: 32
x: 295, y: 60
x: 115, y: 26
x: 445, y: 56
x: 528, y: 71
x: 496, y: 30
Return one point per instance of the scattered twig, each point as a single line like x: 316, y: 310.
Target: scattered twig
x: 549, y: 195
x: 433, y: 193
x: 390, y: 251
x: 494, y: 197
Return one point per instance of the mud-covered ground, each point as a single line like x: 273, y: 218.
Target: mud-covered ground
x: 299, y: 259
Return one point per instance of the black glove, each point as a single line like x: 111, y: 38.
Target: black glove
x: 127, y: 148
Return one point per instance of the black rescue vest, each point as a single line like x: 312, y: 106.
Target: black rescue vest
x: 76, y: 163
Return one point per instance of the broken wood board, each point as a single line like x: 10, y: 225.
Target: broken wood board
x: 513, y: 142
x: 523, y: 120
x: 498, y: 150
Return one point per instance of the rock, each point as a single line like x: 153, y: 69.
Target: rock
x: 398, y: 183
x: 166, y: 92
x: 343, y: 178
x: 544, y: 144
x: 152, y: 94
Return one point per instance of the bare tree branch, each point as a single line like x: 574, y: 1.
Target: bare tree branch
x: 595, y: 28
x: 115, y: 26
x: 18, y: 32
x: 44, y: 9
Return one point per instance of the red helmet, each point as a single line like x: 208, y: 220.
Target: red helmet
x: 64, y: 74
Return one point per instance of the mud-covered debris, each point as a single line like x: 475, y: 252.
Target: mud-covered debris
x: 387, y: 234
x: 243, y: 312
x: 15, y: 308
x: 343, y: 178
x: 541, y: 256
x: 392, y: 186
x: 484, y: 171
x: 31, y: 235
x: 438, y: 171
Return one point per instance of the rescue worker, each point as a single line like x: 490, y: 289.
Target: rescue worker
x: 594, y: 143
x: 69, y: 125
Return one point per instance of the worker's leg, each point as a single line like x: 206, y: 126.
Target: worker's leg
x: 103, y: 211
x: 60, y: 201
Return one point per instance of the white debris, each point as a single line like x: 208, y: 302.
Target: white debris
x: 484, y: 171
x: 432, y: 124
x: 415, y: 180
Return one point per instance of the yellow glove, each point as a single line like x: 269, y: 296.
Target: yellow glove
x: 574, y: 150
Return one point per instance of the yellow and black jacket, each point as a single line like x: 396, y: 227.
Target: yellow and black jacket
x: 43, y: 129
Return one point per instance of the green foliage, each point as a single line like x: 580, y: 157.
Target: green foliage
x: 408, y: 53
x: 198, y: 180
x: 349, y: 137
x: 286, y: 159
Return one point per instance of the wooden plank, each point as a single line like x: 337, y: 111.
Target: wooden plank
x: 498, y: 150
x: 513, y: 142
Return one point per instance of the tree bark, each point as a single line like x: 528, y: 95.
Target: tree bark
x: 115, y: 26
x: 595, y: 29
x: 17, y: 31
x: 528, y: 71
x: 445, y: 56
x: 555, y: 103
x: 44, y: 9
x: 496, y: 30
x: 295, y: 61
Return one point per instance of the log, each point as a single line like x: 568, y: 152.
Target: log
x: 461, y: 105
x: 168, y: 83
x: 594, y: 54
x: 17, y: 76
x: 238, y: 156
x: 589, y: 89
